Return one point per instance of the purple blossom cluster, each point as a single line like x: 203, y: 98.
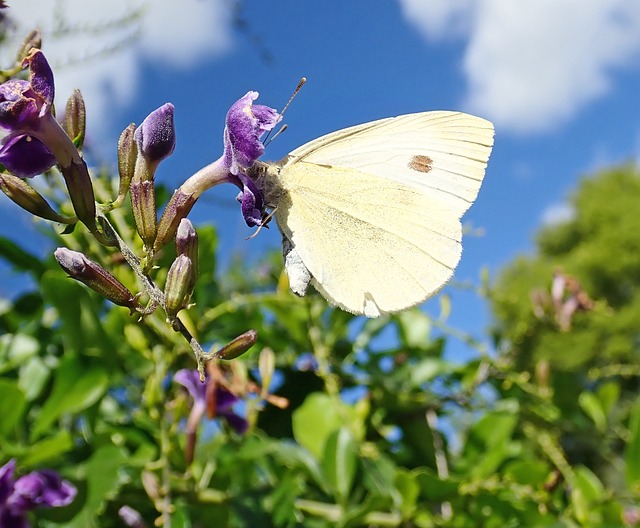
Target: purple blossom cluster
x: 38, y: 489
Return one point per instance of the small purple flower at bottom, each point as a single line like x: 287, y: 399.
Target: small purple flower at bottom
x: 224, y: 401
x: 42, y: 488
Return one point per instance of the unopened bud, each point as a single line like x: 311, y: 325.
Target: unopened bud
x: 96, y: 277
x: 177, y: 288
x: 131, y: 517
x: 156, y: 139
x: 127, y: 154
x: 75, y: 118
x: 266, y: 368
x: 78, y: 181
x: 29, y: 199
x: 187, y: 244
x: 179, y: 207
x: 238, y: 346
x: 33, y: 40
x: 143, y: 204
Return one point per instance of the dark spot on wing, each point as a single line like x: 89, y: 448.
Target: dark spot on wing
x: 421, y: 163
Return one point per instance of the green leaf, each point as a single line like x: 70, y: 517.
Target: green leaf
x: 314, y: 421
x: 632, y: 451
x: 48, y: 449
x: 78, y: 309
x: 608, y: 393
x: 101, y: 474
x: 591, y: 406
x: 414, y: 328
x: 33, y: 376
x: 339, y: 463
x: 76, y: 387
x: 586, y: 493
x: 12, y: 406
x: 16, y: 349
x: 408, y: 491
x: 435, y: 488
x: 21, y: 259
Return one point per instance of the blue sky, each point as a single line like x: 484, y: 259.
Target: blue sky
x: 559, y: 78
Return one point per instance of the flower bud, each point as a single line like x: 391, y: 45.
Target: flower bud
x: 143, y: 204
x: 127, y: 154
x: 179, y: 207
x: 78, y: 181
x: 97, y: 278
x: 29, y: 199
x: 238, y: 346
x: 156, y: 139
x: 187, y: 244
x: 33, y: 40
x: 75, y: 118
x: 266, y: 367
x: 176, y: 289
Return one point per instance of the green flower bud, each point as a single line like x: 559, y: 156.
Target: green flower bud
x: 177, y: 288
x: 143, y: 204
x: 78, y: 181
x: 127, y: 154
x: 238, y: 346
x: 33, y: 40
x: 97, y: 278
x: 29, y: 199
x: 187, y: 244
x: 178, y: 208
x: 75, y: 118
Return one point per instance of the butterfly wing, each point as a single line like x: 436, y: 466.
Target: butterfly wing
x: 373, y: 211
x: 444, y: 154
x: 371, y: 245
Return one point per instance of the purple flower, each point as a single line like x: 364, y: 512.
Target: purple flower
x: 245, y: 125
x: 156, y: 136
x: 224, y: 400
x: 25, y: 111
x: 42, y: 488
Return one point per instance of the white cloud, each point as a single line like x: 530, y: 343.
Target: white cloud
x: 531, y: 65
x: 174, y: 34
x: 557, y: 213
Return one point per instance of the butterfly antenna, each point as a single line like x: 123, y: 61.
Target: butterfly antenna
x: 293, y: 95
x: 284, y: 127
x: 280, y: 131
x: 263, y: 224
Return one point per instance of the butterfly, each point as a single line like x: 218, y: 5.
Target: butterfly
x: 370, y: 215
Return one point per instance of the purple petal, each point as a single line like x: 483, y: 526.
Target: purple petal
x: 239, y: 424
x: 41, y: 78
x: 41, y: 488
x: 252, y: 201
x: 25, y: 156
x: 6, y: 480
x: 225, y: 400
x: 18, y: 105
x: 156, y: 136
x: 190, y: 380
x: 10, y: 519
x: 245, y: 124
x: 56, y: 492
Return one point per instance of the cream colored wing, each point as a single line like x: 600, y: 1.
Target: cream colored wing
x: 443, y: 154
x: 373, y: 245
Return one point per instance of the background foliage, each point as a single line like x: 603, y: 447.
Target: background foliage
x: 382, y: 428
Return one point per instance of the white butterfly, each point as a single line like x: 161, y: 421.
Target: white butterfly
x: 370, y: 215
